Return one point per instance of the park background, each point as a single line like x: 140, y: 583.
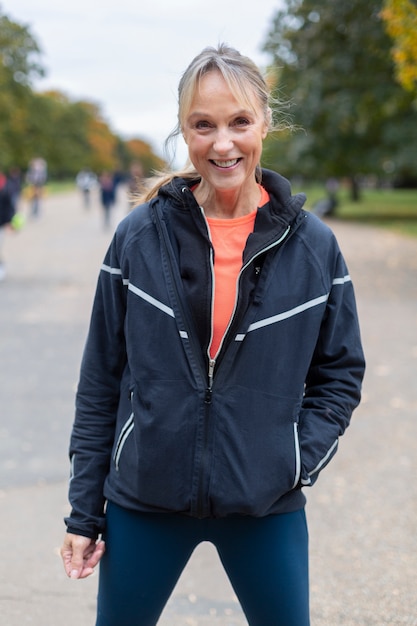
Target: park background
x: 346, y: 76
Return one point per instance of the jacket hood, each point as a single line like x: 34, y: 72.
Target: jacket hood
x: 279, y: 188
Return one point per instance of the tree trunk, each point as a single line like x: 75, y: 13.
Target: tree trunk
x: 355, y: 189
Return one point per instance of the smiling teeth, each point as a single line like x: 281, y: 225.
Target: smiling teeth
x: 225, y: 163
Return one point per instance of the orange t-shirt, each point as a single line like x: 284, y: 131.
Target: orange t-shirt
x: 228, y: 237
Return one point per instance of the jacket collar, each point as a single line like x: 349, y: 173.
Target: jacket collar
x: 284, y: 204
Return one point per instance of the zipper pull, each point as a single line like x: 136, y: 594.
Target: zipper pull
x: 212, y: 363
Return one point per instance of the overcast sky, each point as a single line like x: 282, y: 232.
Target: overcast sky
x: 128, y: 56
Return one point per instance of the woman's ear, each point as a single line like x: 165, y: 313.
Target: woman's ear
x: 268, y: 121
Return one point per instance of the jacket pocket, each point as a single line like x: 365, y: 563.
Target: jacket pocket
x: 121, y: 440
x: 297, y: 452
x: 155, y: 450
x: 256, y: 452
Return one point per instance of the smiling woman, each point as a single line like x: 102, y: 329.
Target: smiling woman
x: 222, y: 365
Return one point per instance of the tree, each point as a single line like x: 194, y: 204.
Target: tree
x: 19, y: 52
x: 400, y: 17
x: 19, y: 65
x: 141, y: 151
x: 351, y: 116
x: 58, y: 130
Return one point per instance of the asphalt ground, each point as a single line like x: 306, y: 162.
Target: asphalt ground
x: 362, y: 512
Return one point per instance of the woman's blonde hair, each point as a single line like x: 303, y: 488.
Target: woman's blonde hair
x: 239, y: 72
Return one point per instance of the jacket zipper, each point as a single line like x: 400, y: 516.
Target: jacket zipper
x: 205, y: 457
x: 211, y: 361
x: 212, y: 364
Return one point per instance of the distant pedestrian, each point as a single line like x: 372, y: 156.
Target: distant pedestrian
x: 36, y: 177
x: 86, y: 180
x: 107, y: 195
x: 6, y: 216
x: 222, y: 366
x: 14, y: 183
x: 118, y: 179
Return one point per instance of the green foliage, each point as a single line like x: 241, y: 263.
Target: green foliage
x: 57, y: 129
x: 19, y: 55
x: 19, y: 52
x: 394, y: 209
x: 351, y: 116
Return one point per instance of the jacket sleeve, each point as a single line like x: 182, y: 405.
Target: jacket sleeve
x: 333, y: 383
x: 97, y: 400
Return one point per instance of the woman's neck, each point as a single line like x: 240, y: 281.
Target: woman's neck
x: 228, y: 204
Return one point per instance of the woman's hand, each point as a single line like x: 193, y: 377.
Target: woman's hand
x: 80, y: 555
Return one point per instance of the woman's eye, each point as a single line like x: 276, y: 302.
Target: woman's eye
x: 242, y: 121
x: 202, y: 125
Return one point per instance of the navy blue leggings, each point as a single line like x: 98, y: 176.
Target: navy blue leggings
x: 266, y: 560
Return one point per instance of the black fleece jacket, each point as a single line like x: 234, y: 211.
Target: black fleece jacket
x: 160, y: 426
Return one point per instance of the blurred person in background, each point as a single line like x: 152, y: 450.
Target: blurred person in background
x: 107, y: 196
x: 36, y: 177
x: 7, y: 212
x: 222, y: 365
x: 86, y: 180
x: 14, y: 182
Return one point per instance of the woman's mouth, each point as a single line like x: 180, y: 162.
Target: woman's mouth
x: 225, y: 164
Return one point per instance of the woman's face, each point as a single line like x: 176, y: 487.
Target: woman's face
x: 224, y: 138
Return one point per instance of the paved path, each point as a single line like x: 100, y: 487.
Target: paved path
x: 362, y: 511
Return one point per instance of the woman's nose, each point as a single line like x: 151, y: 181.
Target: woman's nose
x: 223, y: 141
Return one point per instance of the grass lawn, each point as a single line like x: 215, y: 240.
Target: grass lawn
x: 395, y: 209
